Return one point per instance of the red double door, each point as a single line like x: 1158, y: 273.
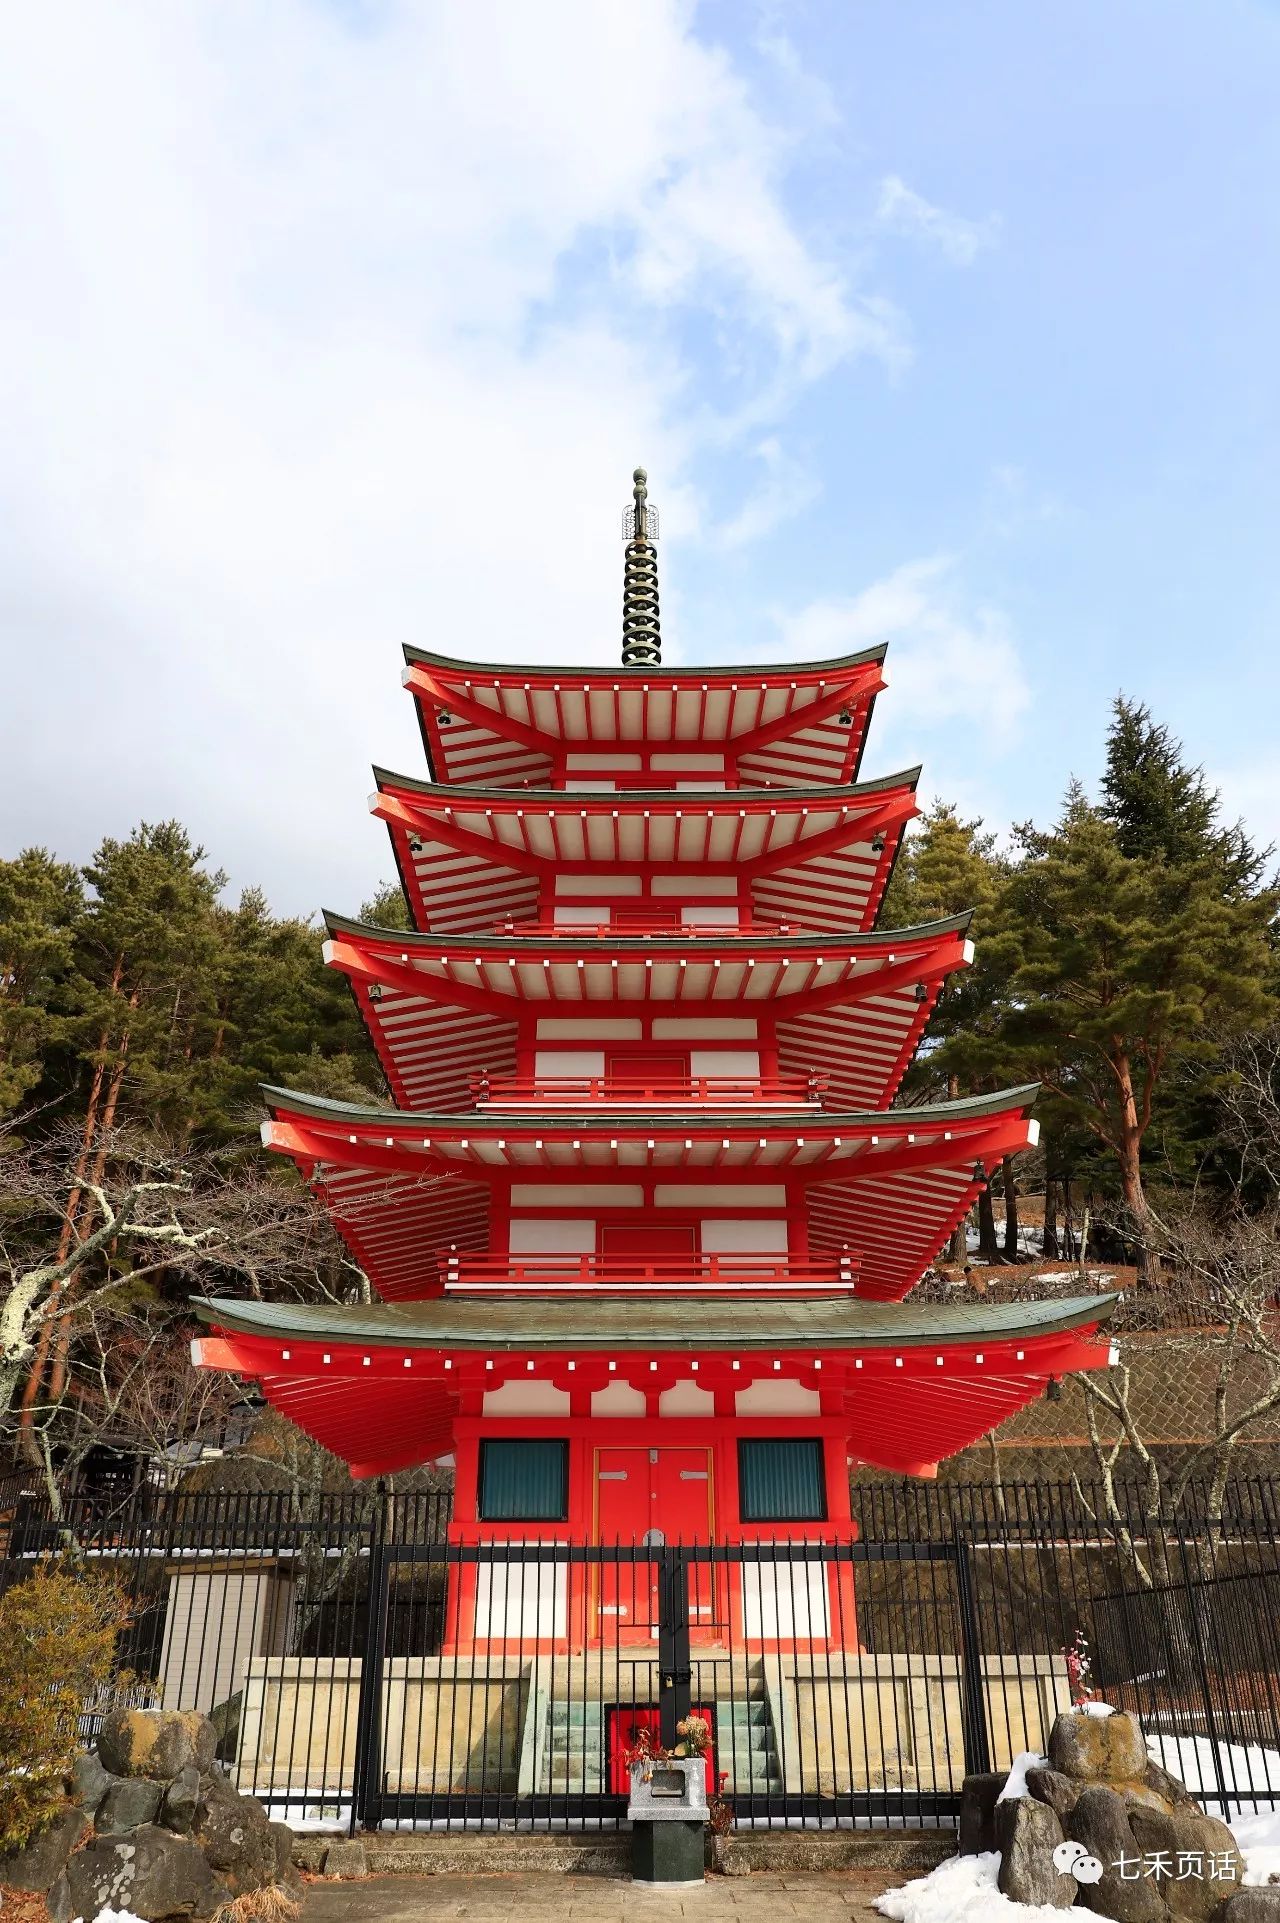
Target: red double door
x: 654, y: 1497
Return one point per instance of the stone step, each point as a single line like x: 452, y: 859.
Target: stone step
x: 604, y: 1853
x: 803, y: 1852
x: 608, y: 1852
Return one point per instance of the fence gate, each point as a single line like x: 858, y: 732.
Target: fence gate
x: 361, y: 1668
x: 503, y: 1683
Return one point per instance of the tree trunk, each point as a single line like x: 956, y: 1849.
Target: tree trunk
x: 987, y: 1246
x: 40, y: 1360
x: 62, y: 1332
x: 1049, y: 1241
x: 1128, y: 1153
x: 1011, y: 1249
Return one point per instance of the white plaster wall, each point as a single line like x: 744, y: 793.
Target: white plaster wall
x: 785, y: 1600
x: 706, y: 885
x: 744, y: 1238
x: 725, y: 1061
x: 568, y: 1061
x: 573, y: 1028
x: 728, y: 1195
x: 604, y: 1195
x: 563, y: 1236
x: 686, y: 1398
x: 780, y: 1398
x: 619, y: 1399
x: 709, y: 914
x: 599, y: 884
x: 521, y: 1599
x: 710, y: 1028
x: 526, y: 1399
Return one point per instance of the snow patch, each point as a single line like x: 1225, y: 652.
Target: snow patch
x: 961, y: 1890
x: 1017, y: 1780
x: 1252, y: 1772
x: 1095, y: 1709
x: 1259, y: 1840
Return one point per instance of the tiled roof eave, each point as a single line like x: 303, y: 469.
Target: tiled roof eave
x: 845, y: 1324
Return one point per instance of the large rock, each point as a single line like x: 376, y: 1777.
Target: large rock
x: 1099, y: 1749
x: 88, y: 1782
x: 41, y: 1863
x: 1173, y: 1790
x: 1186, y: 1840
x: 1052, y: 1787
x: 286, y: 1874
x: 155, y: 1742
x: 181, y: 1801
x: 225, y: 1718
x: 235, y: 1835
x: 1257, y: 1905
x: 130, y: 1802
x: 1027, y: 1834
x: 978, y: 1795
x: 151, y: 1873
x: 1101, y: 1822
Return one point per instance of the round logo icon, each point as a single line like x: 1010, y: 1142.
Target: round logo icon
x: 1087, y: 1869
x: 1067, y: 1855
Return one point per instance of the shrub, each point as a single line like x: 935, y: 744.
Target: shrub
x: 58, y: 1631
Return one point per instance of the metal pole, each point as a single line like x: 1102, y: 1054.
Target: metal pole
x: 977, y: 1747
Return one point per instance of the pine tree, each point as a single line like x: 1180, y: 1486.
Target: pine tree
x: 1163, y: 810
x: 950, y: 866
x: 41, y: 905
x: 1126, y: 965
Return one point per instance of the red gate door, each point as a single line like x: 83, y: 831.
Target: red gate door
x: 656, y: 1496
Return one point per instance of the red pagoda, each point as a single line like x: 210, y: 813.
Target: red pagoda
x: 641, y: 1221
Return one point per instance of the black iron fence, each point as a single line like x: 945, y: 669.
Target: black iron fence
x: 365, y: 1662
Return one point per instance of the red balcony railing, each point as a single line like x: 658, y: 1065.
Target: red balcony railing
x: 645, y: 928
x: 679, y: 1092
x: 667, y: 1275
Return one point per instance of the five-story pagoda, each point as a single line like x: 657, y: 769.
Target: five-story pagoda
x: 642, y: 1218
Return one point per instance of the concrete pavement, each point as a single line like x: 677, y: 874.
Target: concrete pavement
x: 843, y: 1897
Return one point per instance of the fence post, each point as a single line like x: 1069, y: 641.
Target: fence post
x: 977, y: 1746
x: 367, y: 1793
x: 1199, y: 1594
x: 675, y: 1664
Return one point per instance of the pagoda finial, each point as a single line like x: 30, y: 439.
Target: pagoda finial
x: 641, y: 635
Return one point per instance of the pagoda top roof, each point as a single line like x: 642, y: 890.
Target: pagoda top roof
x: 609, y: 673
x: 616, y: 1322
x: 510, y: 723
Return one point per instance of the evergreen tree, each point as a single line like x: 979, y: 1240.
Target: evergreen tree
x: 950, y: 866
x: 41, y: 905
x: 1126, y: 964
x: 1163, y: 810
x: 388, y: 908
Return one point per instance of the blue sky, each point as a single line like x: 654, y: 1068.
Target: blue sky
x: 328, y: 328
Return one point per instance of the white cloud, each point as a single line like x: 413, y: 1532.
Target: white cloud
x: 957, y: 692
x: 784, y: 489
x: 901, y: 210
x: 328, y: 330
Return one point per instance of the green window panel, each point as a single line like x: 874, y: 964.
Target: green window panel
x: 524, y: 1481
x: 781, y: 1480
